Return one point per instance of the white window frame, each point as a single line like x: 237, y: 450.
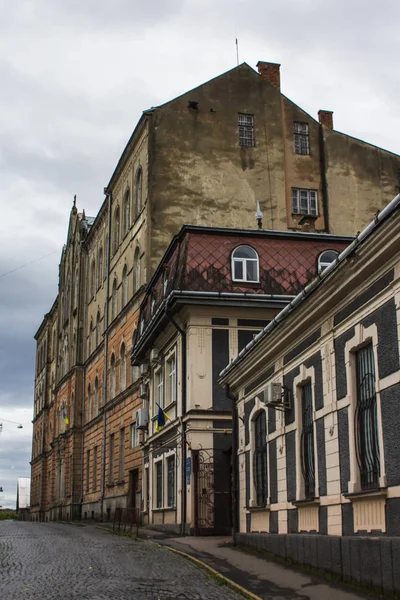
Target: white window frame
x: 244, y: 263
x: 245, y: 127
x: 133, y: 436
x: 301, y: 132
x: 159, y: 460
x: 158, y: 388
x: 312, y: 202
x: 324, y: 264
x: 171, y: 389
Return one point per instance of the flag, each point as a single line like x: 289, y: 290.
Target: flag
x: 162, y: 417
x: 64, y: 414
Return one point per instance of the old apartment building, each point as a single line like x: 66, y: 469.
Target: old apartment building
x: 205, y: 158
x: 316, y: 399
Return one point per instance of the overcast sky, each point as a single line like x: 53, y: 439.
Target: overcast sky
x: 75, y: 76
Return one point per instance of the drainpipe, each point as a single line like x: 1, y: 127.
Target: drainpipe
x: 235, y: 433
x: 103, y: 471
x: 183, y: 438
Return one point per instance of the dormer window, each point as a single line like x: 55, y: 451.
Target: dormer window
x: 326, y: 258
x: 245, y: 265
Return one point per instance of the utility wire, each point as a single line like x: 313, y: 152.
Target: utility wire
x: 28, y: 263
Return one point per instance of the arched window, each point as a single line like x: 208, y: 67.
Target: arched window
x: 326, y: 258
x: 124, y: 286
x: 136, y: 270
x: 116, y: 228
x: 100, y: 268
x: 93, y: 279
x: 89, y: 403
x: 76, y: 288
x: 127, y: 211
x: 260, y: 458
x: 122, y: 368
x: 245, y: 265
x: 112, y: 377
x: 90, y: 337
x: 96, y: 396
x: 98, y: 331
x: 138, y: 192
x: 114, y: 301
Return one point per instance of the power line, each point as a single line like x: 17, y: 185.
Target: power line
x: 28, y: 263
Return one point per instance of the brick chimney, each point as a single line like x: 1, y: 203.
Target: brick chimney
x: 270, y: 72
x: 325, y: 117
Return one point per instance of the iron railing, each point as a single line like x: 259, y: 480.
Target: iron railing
x: 127, y: 520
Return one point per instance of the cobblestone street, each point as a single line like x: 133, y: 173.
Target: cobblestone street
x: 49, y: 561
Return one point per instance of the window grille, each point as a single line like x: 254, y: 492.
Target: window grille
x: 171, y: 480
x: 304, y: 202
x: 260, y: 459
x: 246, y: 130
x: 366, y: 422
x: 307, y: 441
x: 245, y: 266
x: 301, y: 138
x: 159, y: 484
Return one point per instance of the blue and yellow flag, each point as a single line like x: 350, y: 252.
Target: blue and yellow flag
x: 162, y: 418
x: 64, y: 414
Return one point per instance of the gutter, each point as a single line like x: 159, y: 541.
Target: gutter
x: 103, y: 468
x: 386, y: 212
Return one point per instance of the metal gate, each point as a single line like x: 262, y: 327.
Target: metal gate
x: 212, y: 494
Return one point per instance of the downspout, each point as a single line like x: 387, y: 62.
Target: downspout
x: 103, y: 470
x: 83, y: 359
x: 183, y: 461
x: 235, y: 468
x: 324, y: 185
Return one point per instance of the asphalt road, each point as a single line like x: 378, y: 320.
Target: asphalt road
x: 52, y: 561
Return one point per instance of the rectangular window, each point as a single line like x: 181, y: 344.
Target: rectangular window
x: 158, y: 389
x: 147, y: 484
x: 304, y: 202
x: 171, y: 480
x: 366, y: 420
x: 171, y: 379
x: 94, y: 482
x: 246, y: 130
x: 260, y: 459
x: 121, y: 462
x: 301, y: 138
x: 159, y: 484
x: 134, y: 435
x: 111, y: 459
x: 307, y: 436
x: 87, y: 469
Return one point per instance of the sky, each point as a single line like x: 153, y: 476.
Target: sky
x: 76, y: 75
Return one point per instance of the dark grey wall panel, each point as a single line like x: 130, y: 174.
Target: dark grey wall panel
x: 323, y: 520
x: 321, y: 456
x: 293, y: 521
x: 291, y: 465
x: 248, y: 407
x: 220, y: 358
x: 273, y: 521
x: 244, y: 337
x: 271, y: 419
x: 347, y: 519
x: 219, y: 321
x: 288, y: 383
x: 313, y: 337
x: 316, y: 361
x: 273, y: 473
x: 265, y: 375
x: 390, y: 410
x: 364, y: 297
x: 344, y: 449
x: 393, y: 516
x: 253, y: 322
x: 388, y: 351
x: 340, y: 366
x: 247, y: 467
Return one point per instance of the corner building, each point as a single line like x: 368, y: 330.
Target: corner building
x: 206, y: 158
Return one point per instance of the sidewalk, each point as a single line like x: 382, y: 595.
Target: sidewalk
x: 266, y: 579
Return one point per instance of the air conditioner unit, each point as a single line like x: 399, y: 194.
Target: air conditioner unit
x: 273, y: 395
x: 154, y: 355
x: 144, y: 369
x: 142, y: 418
x: 143, y: 390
